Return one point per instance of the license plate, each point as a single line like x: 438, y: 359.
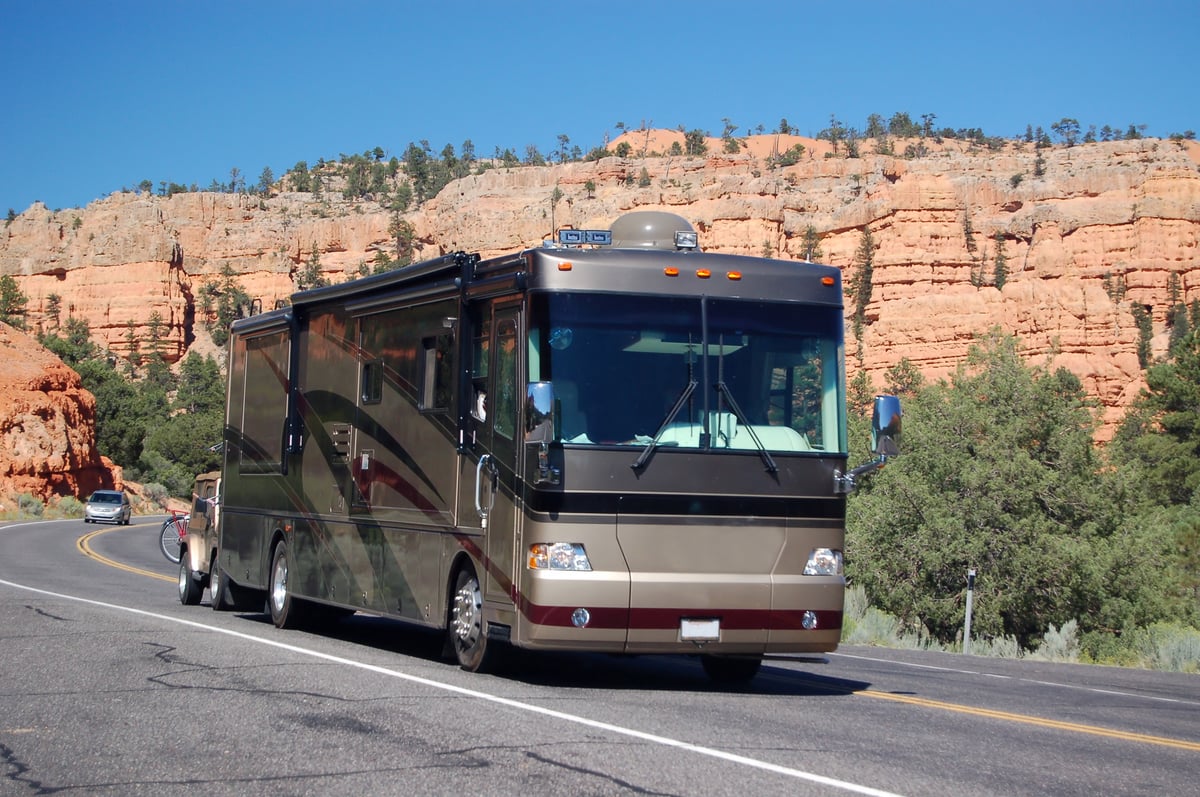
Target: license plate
x: 699, y: 629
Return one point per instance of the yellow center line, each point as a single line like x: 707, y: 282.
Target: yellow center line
x: 1026, y: 719
x: 84, y: 544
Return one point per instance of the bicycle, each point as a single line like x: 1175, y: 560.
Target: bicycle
x: 170, y: 536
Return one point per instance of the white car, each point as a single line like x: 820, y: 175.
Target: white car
x: 108, y: 506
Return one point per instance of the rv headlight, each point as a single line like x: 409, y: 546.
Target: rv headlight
x: 824, y: 562
x: 558, y: 556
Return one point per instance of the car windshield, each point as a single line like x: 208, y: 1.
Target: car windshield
x: 626, y: 369
x: 106, y: 498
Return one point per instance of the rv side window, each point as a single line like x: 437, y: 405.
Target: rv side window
x: 505, y: 405
x: 408, y: 352
x: 264, y: 412
x: 372, y: 382
x: 436, y: 372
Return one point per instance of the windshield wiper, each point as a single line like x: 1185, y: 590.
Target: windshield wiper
x: 723, y: 389
x: 724, y: 392
x: 644, y: 457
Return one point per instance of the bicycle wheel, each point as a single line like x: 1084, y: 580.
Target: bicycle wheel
x: 168, y: 540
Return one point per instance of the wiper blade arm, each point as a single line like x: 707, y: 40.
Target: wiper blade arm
x: 741, y: 416
x: 648, y: 451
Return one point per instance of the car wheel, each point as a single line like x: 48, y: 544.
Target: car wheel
x: 189, y: 588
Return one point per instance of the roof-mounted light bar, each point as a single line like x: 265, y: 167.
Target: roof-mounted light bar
x: 568, y: 237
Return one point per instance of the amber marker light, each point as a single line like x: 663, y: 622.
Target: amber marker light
x: 703, y: 273
x: 671, y: 271
x: 565, y: 265
x: 827, y: 281
x: 734, y: 275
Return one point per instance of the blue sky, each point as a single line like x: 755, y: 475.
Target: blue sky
x: 98, y: 96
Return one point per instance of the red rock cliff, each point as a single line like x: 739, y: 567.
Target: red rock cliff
x: 47, y: 425
x: 1086, y: 231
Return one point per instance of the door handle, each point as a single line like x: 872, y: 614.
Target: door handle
x: 484, y: 461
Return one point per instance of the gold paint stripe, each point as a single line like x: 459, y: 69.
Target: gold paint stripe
x: 84, y: 544
x: 1026, y: 719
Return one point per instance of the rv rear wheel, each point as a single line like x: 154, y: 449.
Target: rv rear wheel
x: 216, y: 587
x: 465, y: 629
x: 285, y: 610
x: 189, y: 588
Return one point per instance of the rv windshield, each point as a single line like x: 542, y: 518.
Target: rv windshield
x: 620, y: 364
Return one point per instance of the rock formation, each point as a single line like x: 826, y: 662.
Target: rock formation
x: 47, y: 426
x: 1079, y: 233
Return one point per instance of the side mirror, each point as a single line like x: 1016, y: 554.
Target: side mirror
x: 885, y: 439
x: 540, y: 423
x: 539, y: 412
x: 885, y: 426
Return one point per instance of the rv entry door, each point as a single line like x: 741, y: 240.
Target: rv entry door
x: 488, y: 475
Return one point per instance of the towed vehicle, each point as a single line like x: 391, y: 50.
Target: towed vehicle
x: 198, y: 542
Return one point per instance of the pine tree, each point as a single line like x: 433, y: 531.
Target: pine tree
x: 221, y: 301
x: 405, y: 235
x: 859, y: 289
x: 811, y: 248
x: 12, y: 302
x: 1000, y: 268
x: 54, y: 308
x: 266, y: 179
x: 311, y: 276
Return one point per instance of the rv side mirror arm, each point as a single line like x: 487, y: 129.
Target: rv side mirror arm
x: 844, y: 483
x: 546, y: 473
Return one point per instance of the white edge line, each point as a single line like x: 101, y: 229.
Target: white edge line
x: 604, y: 726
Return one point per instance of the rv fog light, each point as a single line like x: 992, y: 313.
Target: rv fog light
x: 558, y: 556
x: 808, y: 620
x: 824, y: 562
x: 580, y: 617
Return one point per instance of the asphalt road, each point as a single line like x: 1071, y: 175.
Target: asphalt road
x: 109, y: 686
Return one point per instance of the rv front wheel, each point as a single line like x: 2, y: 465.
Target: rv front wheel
x: 466, y: 631
x: 283, y: 607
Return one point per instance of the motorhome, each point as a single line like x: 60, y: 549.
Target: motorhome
x: 613, y: 441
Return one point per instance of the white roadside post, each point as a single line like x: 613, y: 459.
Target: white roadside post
x: 967, y: 619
